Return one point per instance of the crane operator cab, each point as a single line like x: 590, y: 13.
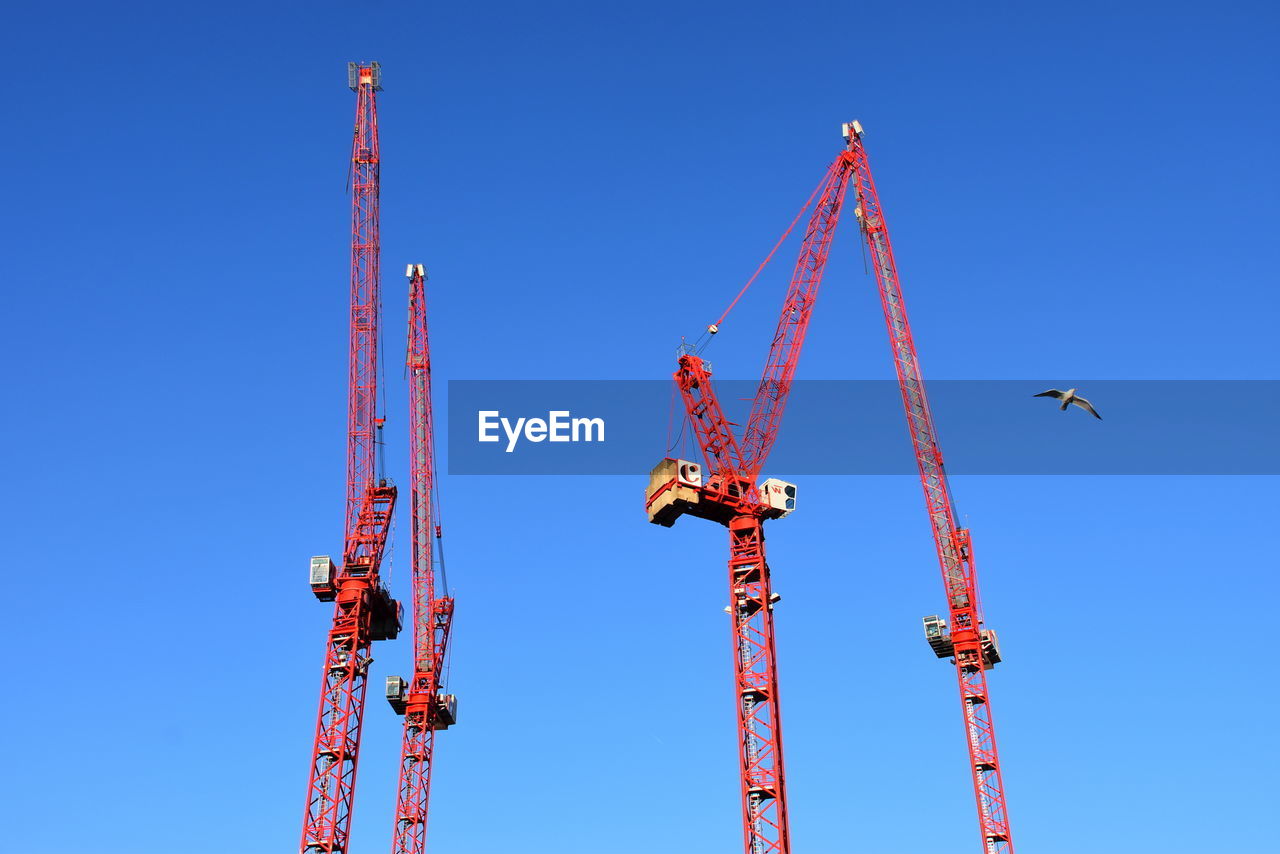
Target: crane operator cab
x: 778, y: 495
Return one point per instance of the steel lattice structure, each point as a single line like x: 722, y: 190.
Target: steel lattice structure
x: 730, y: 496
x: 364, y: 610
x: 425, y: 710
x: 366, y: 287
x: 973, y: 648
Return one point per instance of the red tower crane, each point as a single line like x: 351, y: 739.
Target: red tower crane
x: 973, y: 648
x: 424, y: 707
x: 364, y: 610
x: 729, y: 495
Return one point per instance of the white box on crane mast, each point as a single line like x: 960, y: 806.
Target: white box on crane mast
x: 397, y: 690
x: 849, y: 128
x: 779, y: 495
x: 322, y: 576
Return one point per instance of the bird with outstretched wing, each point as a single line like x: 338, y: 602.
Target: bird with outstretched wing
x: 1069, y: 397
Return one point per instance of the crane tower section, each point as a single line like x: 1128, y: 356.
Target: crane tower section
x: 728, y: 493
x: 426, y: 709
x: 364, y: 610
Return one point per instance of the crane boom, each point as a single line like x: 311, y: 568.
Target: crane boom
x: 423, y: 709
x: 793, y: 323
x: 366, y: 285
x: 364, y: 611
x: 421, y: 468
x: 973, y: 648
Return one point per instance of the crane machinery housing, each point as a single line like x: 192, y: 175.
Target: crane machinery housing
x: 727, y: 493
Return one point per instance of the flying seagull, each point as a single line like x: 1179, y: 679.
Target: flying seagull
x: 1069, y: 397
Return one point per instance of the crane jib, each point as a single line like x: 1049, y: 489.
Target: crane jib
x: 973, y: 649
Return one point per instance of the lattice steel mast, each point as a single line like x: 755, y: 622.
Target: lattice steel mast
x: 364, y: 610
x: 731, y: 497
x: 424, y: 707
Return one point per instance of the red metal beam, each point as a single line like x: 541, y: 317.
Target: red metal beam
x: 364, y: 611
x: 972, y: 655
x: 432, y: 614
x: 793, y: 322
x: 730, y: 496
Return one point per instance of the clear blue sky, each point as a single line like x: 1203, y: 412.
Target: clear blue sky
x: 1075, y: 190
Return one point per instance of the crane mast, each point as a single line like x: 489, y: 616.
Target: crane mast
x: 364, y: 610
x: 973, y: 648
x: 730, y: 496
x: 424, y: 709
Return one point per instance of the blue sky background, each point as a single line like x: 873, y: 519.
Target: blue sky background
x: 1075, y: 190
